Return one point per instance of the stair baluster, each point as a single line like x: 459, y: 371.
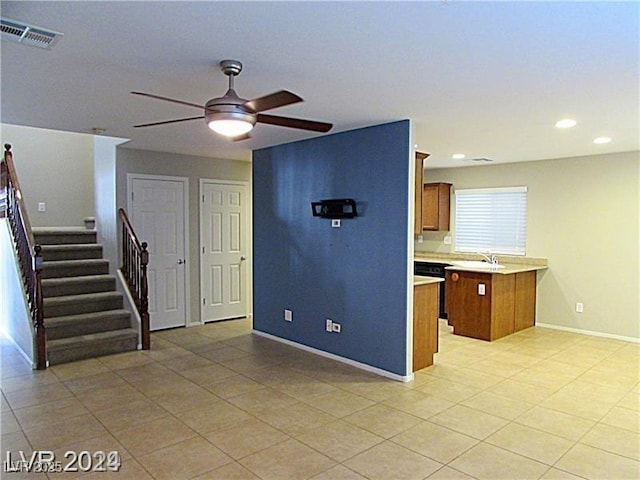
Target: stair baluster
x: 135, y: 258
x: 28, y: 252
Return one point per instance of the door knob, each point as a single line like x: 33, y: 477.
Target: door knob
x: 243, y: 258
x: 181, y: 261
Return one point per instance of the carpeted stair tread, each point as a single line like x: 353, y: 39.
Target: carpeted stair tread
x: 63, y: 235
x: 74, y: 268
x: 83, y: 303
x: 48, y: 230
x: 61, y: 343
x: 70, y: 246
x: 71, y: 251
x: 65, y: 263
x: 87, y: 323
x: 97, y: 316
x: 63, y: 286
x: 92, y: 345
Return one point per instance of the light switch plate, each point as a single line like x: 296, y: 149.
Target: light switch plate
x: 481, y: 289
x: 335, y: 223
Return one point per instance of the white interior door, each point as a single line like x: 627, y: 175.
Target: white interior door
x: 157, y: 207
x: 223, y: 232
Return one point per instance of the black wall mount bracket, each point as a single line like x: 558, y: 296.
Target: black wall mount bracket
x: 335, y: 208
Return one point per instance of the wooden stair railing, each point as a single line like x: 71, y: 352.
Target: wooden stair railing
x: 14, y: 209
x: 135, y: 259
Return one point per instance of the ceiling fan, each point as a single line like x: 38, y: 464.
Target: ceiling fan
x: 235, y: 117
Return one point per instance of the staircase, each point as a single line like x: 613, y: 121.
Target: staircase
x: 83, y: 312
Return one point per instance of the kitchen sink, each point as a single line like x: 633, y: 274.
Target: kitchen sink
x: 476, y: 264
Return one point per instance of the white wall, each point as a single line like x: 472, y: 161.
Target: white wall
x: 106, y: 211
x: 56, y: 168
x: 584, y: 217
x: 15, y: 318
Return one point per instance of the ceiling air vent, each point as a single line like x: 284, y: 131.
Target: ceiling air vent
x: 28, y: 34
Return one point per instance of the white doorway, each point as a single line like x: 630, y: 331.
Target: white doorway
x: 224, y: 264
x: 158, y: 209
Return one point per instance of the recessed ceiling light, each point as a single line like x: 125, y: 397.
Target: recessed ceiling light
x: 565, y: 123
x: 458, y: 156
x: 602, y: 140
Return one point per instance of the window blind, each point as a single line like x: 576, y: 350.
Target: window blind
x: 491, y: 219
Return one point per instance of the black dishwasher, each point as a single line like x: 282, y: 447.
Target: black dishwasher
x: 433, y: 269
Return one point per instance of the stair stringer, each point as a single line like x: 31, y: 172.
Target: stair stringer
x: 15, y: 318
x: 130, y: 305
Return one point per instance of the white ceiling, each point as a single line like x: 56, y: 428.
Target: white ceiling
x: 484, y: 79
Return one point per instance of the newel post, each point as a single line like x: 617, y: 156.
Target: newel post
x: 144, y: 298
x: 41, y: 334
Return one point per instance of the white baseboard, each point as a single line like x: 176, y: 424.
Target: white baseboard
x: 590, y: 333
x: 348, y: 361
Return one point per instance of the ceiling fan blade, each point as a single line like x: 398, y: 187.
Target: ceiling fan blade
x: 169, y: 121
x: 173, y: 100
x: 273, y: 100
x: 295, y: 123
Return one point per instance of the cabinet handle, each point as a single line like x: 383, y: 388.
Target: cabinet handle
x: 454, y: 277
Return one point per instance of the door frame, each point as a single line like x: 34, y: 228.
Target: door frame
x: 185, y: 202
x: 248, y: 242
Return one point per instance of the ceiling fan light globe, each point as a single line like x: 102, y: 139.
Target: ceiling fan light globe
x: 230, y: 128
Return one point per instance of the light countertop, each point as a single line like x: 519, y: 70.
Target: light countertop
x: 512, y: 264
x: 421, y: 280
x: 508, y: 269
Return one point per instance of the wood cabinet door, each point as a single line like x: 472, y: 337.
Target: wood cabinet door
x: 430, y: 208
x: 525, y: 301
x: 419, y: 169
x: 503, y: 288
x: 425, y: 325
x: 435, y: 206
x: 469, y: 312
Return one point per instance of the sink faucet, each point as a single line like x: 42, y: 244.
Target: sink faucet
x: 492, y: 259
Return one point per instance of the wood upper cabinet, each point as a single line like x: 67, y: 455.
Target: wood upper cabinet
x: 435, y: 209
x: 419, y: 167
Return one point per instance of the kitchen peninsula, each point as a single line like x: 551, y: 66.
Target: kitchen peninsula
x: 489, y: 302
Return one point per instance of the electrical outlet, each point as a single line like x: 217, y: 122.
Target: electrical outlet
x: 336, y: 327
x: 329, y: 325
x: 42, y: 207
x: 288, y: 315
x: 447, y: 240
x: 420, y: 239
x: 580, y: 307
x: 482, y: 289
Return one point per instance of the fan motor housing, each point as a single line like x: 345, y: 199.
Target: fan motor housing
x: 229, y: 107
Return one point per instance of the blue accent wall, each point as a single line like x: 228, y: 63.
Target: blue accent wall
x: 356, y: 275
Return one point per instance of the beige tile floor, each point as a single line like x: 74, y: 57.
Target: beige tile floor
x: 216, y: 402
